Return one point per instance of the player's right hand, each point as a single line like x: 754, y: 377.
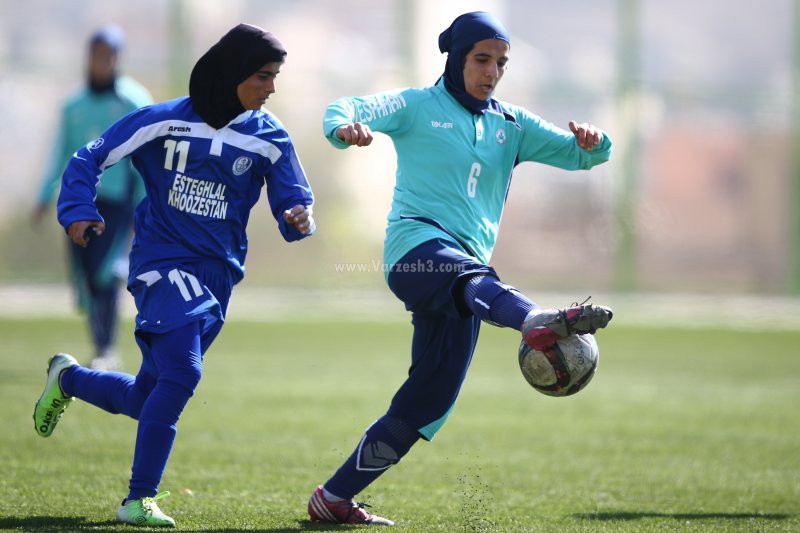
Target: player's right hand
x: 588, y: 135
x: 356, y: 134
x: 81, y: 231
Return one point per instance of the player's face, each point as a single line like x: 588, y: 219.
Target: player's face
x: 255, y: 90
x: 484, y: 65
x: 102, y: 63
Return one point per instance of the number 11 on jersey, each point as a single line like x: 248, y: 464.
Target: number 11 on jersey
x: 172, y: 146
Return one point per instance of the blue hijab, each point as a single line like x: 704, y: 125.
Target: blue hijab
x: 457, y: 41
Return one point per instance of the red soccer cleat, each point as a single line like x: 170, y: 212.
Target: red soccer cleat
x: 341, y: 512
x: 543, y: 329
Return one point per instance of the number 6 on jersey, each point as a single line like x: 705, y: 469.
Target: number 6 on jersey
x: 472, y: 182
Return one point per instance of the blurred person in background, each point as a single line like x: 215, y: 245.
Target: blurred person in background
x: 456, y: 148
x: 97, y: 271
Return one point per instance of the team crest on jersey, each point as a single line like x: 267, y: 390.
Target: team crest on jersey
x: 95, y: 144
x: 242, y: 165
x: 500, y: 136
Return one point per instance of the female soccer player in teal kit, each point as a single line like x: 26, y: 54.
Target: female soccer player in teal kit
x: 456, y: 149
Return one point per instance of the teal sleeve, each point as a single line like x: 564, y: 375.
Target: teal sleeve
x: 59, y: 155
x: 134, y: 91
x: 137, y: 96
x: 339, y: 113
x: 383, y: 112
x: 546, y: 143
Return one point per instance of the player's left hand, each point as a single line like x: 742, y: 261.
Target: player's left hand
x: 300, y: 217
x: 588, y: 135
x: 81, y: 231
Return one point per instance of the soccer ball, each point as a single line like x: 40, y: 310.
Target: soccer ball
x: 563, y: 369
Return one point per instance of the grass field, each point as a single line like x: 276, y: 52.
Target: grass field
x: 681, y: 430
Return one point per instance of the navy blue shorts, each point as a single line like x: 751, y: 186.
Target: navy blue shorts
x: 428, y: 279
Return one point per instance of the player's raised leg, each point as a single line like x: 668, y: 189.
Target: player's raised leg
x: 502, y: 305
x: 494, y: 302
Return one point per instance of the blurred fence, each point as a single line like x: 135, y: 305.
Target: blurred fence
x: 698, y: 197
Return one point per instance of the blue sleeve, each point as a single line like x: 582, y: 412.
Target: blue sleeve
x: 287, y: 186
x: 79, y: 186
x: 81, y: 177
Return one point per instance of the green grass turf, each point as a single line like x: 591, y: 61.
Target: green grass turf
x: 681, y: 430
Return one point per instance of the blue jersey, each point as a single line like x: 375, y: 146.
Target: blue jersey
x: 201, y: 183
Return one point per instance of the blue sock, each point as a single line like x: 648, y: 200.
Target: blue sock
x: 495, y: 302
x: 114, y: 392
x: 383, y: 445
x: 155, y: 436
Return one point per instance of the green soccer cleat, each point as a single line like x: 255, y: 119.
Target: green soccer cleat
x: 144, y: 512
x: 53, y: 402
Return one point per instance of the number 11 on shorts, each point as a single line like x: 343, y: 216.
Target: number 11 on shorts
x: 179, y: 279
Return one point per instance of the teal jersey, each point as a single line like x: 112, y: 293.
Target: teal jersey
x: 454, y: 168
x: 84, y: 118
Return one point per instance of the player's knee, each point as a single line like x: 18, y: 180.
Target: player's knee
x: 186, y: 377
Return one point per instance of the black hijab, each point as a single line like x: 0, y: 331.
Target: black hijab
x: 457, y: 41
x: 216, y: 75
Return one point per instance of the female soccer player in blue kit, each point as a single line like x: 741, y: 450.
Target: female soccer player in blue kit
x: 456, y: 148
x: 204, y: 160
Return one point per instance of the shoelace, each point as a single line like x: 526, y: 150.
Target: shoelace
x: 147, y: 502
x: 355, y: 508
x: 575, y: 304
x: 564, y: 313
